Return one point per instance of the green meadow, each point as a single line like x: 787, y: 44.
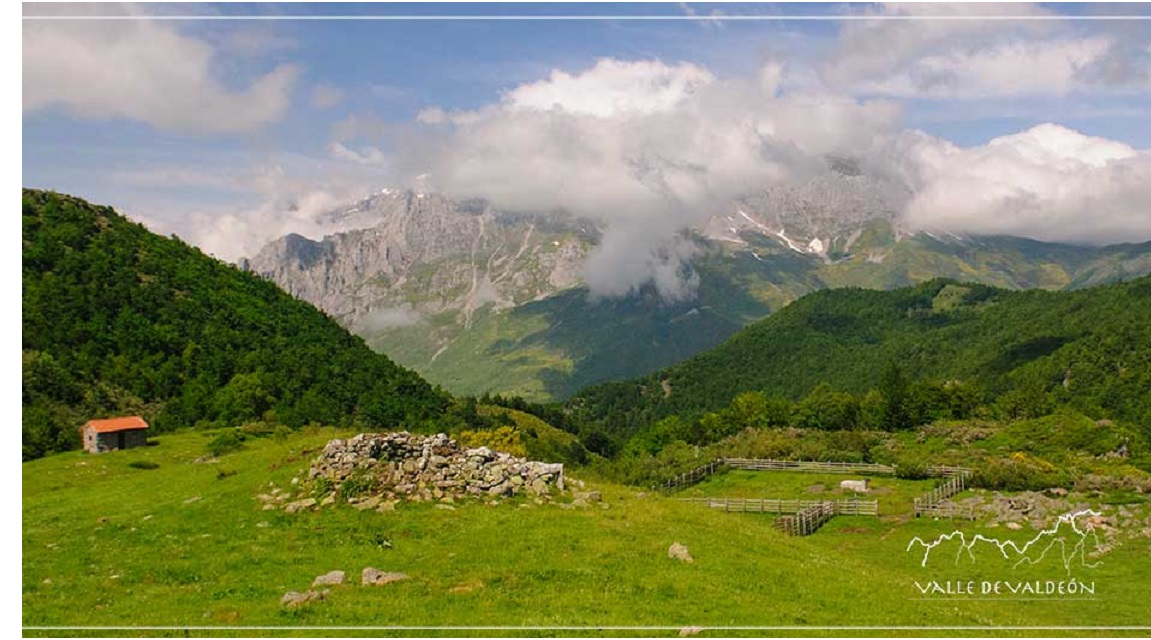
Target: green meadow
x: 147, y: 537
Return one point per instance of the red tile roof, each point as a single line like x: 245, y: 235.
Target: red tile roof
x: 126, y: 423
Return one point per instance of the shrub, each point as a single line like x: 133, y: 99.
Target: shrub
x: 911, y: 470
x: 356, y: 485
x: 226, y: 441
x: 505, y: 439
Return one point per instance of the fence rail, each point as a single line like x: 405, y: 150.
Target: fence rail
x: 767, y: 464
x: 948, y: 510
x: 769, y: 505
x: 937, y: 502
x: 689, y: 478
x: 807, y: 521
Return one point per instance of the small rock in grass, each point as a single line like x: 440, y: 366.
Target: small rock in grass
x: 1014, y: 526
x: 293, y: 507
x: 679, y: 552
x: 690, y: 631
x: 445, y: 507
x: 373, y: 576
x: 296, y: 599
x: 329, y: 578
x: 193, y: 499
x: 263, y: 525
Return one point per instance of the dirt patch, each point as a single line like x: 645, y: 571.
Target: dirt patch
x: 817, y: 488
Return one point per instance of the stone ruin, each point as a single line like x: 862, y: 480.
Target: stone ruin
x: 388, y: 467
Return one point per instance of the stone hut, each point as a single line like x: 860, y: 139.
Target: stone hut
x: 114, y: 433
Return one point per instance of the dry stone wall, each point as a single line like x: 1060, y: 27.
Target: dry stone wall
x: 381, y: 468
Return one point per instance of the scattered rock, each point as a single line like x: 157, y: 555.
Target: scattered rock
x: 294, y: 599
x: 1014, y: 526
x: 445, y: 507
x: 206, y: 459
x: 690, y: 631
x: 373, y: 576
x: 329, y: 578
x: 193, y: 499
x: 679, y: 552
x: 293, y: 507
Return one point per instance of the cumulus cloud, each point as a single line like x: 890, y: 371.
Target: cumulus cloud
x: 1048, y: 183
x: 959, y: 58
x: 366, y: 156
x: 281, y: 199
x: 143, y: 70
x: 646, y: 148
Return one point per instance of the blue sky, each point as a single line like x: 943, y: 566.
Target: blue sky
x: 191, y: 125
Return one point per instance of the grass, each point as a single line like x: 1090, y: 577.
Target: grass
x: 182, y: 544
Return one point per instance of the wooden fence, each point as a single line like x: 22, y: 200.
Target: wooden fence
x: 807, y: 521
x: 936, y: 503
x: 767, y: 464
x: 768, y: 505
x: 690, y: 477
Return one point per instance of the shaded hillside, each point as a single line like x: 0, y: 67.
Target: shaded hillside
x: 555, y: 346
x: 117, y: 319
x: 1088, y: 349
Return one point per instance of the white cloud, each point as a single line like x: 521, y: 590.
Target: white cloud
x: 644, y: 147
x: 970, y: 59
x: 326, y: 96
x: 1017, y: 68
x: 292, y: 195
x: 613, y: 87
x: 368, y: 156
x: 1048, y: 183
x: 146, y: 71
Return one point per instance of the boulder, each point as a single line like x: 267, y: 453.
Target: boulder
x: 371, y: 576
x: 329, y: 578
x: 294, y: 599
x: 679, y: 552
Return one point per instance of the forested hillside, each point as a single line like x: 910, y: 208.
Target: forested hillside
x: 117, y: 319
x: 1089, y: 350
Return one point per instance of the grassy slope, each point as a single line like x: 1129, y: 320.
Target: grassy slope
x: 126, y: 546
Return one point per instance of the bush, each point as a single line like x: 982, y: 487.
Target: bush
x: 505, y: 439
x: 911, y: 470
x: 226, y: 442
x: 1019, y: 473
x: 356, y: 486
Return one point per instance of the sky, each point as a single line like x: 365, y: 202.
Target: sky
x: 245, y: 122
